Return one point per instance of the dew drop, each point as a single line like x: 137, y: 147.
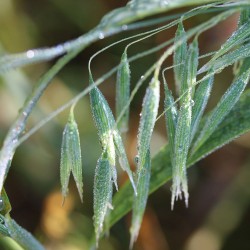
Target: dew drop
x: 1, y: 204
x: 14, y: 141
x: 101, y: 35
x: 164, y: 3
x: 124, y: 27
x: 192, y: 103
x: 136, y: 159
x: 109, y: 205
x: 30, y: 53
x: 142, y: 77
x: 59, y: 48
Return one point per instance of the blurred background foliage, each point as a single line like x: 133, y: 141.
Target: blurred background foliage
x: 219, y: 213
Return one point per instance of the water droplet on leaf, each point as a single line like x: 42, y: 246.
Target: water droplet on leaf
x: 124, y: 27
x: 101, y: 35
x: 30, y: 53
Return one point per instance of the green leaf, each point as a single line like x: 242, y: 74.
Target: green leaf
x: 3, y: 227
x: 228, y: 59
x: 237, y: 38
x: 244, y: 16
x: 140, y: 201
x: 192, y: 65
x: 181, y: 146
x: 179, y: 56
x: 21, y: 236
x: 108, y: 133
x: 102, y: 115
x: 200, y: 102
x: 123, y: 92
x: 236, y: 123
x: 148, y: 117
x: 102, y: 193
x: 123, y: 160
x: 170, y: 117
x: 5, y: 206
x: 71, y: 160
x: 183, y: 126
x: 224, y: 106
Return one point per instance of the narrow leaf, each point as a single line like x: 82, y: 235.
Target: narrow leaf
x: 224, y: 106
x: 228, y: 59
x: 21, y: 236
x: 236, y: 123
x: 192, y: 65
x: 65, y: 163
x: 148, y: 117
x: 235, y: 39
x: 170, y: 118
x: 71, y: 157
x: 3, y: 227
x: 105, y: 123
x: 181, y: 146
x: 123, y: 160
x: 123, y: 92
x: 179, y: 55
x: 200, y: 102
x: 102, y: 193
x: 183, y: 127
x: 140, y: 200
x: 5, y: 203
x: 102, y: 115
x: 108, y: 133
x: 244, y: 16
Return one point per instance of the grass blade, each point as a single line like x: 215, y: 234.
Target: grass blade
x: 123, y: 92
x: 123, y: 160
x: 65, y: 164
x: 170, y: 117
x: 3, y: 227
x: 140, y: 200
x: 228, y: 59
x: 235, y: 39
x: 192, y: 66
x: 71, y: 160
x: 224, y: 106
x: 200, y: 102
x: 244, y: 16
x: 108, y: 133
x: 102, y: 193
x: 236, y: 123
x: 181, y: 145
x: 148, y: 117
x: 76, y: 158
x: 183, y: 127
x: 179, y: 56
x: 5, y: 203
x: 21, y: 236
x: 102, y: 115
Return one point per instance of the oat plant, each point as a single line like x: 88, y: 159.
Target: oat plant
x: 192, y: 133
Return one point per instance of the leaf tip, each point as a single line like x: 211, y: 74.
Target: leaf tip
x: 179, y: 187
x: 134, y: 232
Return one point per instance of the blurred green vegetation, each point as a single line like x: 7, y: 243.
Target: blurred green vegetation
x: 218, y: 216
